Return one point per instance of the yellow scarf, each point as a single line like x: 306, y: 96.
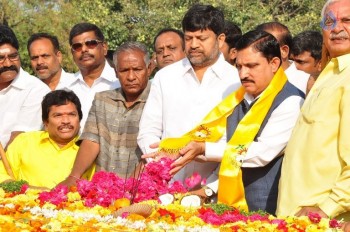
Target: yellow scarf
x: 213, y: 126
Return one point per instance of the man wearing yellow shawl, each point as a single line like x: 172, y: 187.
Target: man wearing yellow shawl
x: 258, y: 119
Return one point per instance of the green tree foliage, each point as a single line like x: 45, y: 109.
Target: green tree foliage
x: 140, y: 20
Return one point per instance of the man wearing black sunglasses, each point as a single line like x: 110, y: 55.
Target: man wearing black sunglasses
x: 20, y: 93
x: 89, y: 49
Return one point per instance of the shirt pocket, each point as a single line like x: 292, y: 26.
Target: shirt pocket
x: 321, y: 106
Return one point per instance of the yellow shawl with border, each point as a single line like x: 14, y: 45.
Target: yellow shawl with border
x: 213, y: 126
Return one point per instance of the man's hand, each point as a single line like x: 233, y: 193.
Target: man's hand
x: 188, y: 153
x: 311, y: 209
x: 39, y: 188
x: 346, y: 227
x: 199, y: 192
x: 158, y: 155
x: 69, y: 181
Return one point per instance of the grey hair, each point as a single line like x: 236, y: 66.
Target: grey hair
x: 131, y: 45
x: 326, y: 5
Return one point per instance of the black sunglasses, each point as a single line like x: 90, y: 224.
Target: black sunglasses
x: 91, y: 44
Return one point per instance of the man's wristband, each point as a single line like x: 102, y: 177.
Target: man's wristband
x: 74, y: 177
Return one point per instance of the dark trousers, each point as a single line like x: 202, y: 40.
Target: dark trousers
x: 261, y: 186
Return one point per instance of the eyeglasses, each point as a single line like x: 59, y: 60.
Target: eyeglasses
x: 91, y: 44
x: 12, y: 57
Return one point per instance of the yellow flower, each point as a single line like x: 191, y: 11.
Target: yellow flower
x: 73, y: 196
x: 2, y: 193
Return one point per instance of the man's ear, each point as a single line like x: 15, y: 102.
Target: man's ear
x: 275, y: 63
x: 319, y: 66
x: 45, y: 125
x: 232, y: 53
x: 221, y: 39
x: 151, y: 65
x: 59, y: 56
x: 105, y: 48
x: 284, y: 52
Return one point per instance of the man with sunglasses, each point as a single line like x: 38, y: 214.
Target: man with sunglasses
x: 20, y: 93
x: 89, y: 49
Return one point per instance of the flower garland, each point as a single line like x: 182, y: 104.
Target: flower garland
x: 89, y: 206
x: 106, y: 187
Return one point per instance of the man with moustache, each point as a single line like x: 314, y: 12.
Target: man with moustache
x: 109, y: 136
x: 44, y: 158
x: 169, y: 46
x: 89, y: 49
x: 184, y: 92
x: 20, y: 93
x: 46, y: 58
x: 267, y: 100
x: 315, y: 175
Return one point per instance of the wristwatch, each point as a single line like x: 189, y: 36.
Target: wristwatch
x: 208, y: 192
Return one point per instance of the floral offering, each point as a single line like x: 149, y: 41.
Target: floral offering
x: 111, y: 203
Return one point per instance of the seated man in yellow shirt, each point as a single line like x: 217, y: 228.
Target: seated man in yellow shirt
x: 45, y: 158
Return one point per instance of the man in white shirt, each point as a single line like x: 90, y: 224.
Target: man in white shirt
x: 258, y: 63
x: 169, y: 46
x: 89, y: 49
x: 281, y: 32
x: 46, y: 58
x: 184, y: 92
x: 20, y: 93
x: 306, y: 52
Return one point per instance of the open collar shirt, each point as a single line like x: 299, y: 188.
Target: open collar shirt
x: 66, y: 80
x: 178, y: 101
x: 115, y: 127
x: 316, y: 165
x: 37, y: 159
x: 21, y: 105
x: 107, y: 81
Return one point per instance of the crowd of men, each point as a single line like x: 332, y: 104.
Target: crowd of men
x: 262, y: 116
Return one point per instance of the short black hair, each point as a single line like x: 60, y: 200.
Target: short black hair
x: 232, y: 33
x: 81, y: 28
x: 59, y: 98
x: 262, y: 42
x: 284, y: 38
x: 202, y: 17
x: 43, y: 35
x: 308, y: 41
x: 7, y: 36
x: 165, y: 30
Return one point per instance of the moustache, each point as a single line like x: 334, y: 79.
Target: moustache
x: 9, y: 68
x: 86, y: 55
x: 340, y: 35
x: 66, y: 126
x: 246, y: 80
x: 41, y: 67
